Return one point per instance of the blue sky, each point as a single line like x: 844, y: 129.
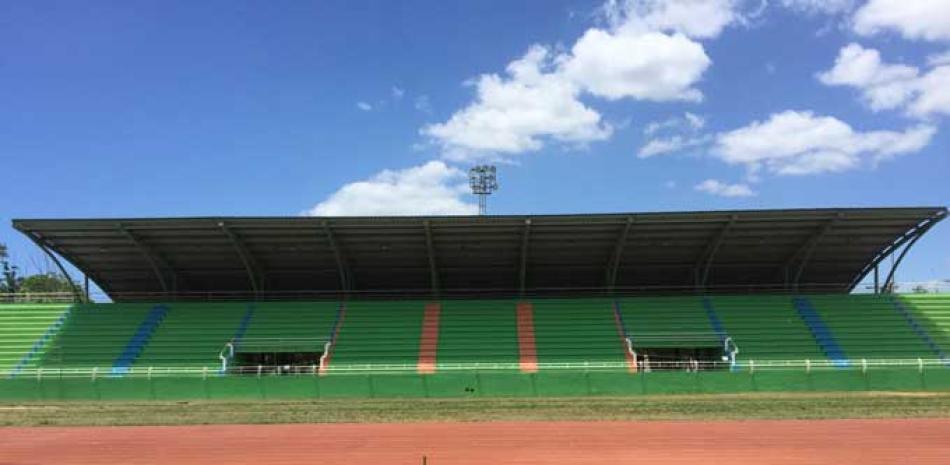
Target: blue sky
x: 338, y: 107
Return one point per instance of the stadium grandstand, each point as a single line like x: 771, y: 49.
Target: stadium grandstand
x: 589, y: 304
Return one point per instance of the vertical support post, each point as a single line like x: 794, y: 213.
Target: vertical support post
x: 523, y: 274
x: 614, y: 265
x: 877, y: 278
x: 433, y: 268
x: 85, y: 286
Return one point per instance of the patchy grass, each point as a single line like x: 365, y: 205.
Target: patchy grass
x: 685, y: 407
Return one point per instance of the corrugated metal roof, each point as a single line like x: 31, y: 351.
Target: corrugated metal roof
x: 809, y: 250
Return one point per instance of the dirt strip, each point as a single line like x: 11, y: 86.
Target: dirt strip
x: 864, y: 442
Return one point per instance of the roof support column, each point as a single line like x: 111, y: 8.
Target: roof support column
x: 523, y: 271
x: 910, y: 235
x: 433, y: 269
x: 807, y: 249
x: 889, y: 281
x: 153, y: 259
x: 709, y: 254
x: 613, y: 266
x: 38, y: 240
x: 250, y: 266
x: 341, y: 267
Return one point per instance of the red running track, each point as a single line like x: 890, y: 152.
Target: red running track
x: 864, y: 442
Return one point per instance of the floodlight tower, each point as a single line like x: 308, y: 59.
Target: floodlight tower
x: 483, y: 182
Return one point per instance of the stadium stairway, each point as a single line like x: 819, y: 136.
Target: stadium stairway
x: 766, y: 328
x: 429, y: 342
x: 379, y: 333
x: 338, y: 319
x: 94, y: 335
x: 820, y: 331
x: 25, y: 330
x: 576, y: 331
x: 714, y: 320
x: 930, y: 314
x: 192, y: 335
x: 135, y: 345
x: 478, y: 331
x: 527, y: 349
x: 870, y: 327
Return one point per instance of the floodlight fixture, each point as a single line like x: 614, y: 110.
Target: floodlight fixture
x: 483, y: 180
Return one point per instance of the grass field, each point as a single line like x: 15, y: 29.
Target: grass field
x: 685, y: 407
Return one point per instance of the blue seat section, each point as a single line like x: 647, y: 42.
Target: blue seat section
x: 714, y: 320
x: 820, y: 331
x: 135, y: 345
x: 245, y: 323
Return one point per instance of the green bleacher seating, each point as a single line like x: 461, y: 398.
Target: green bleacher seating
x: 478, y: 331
x: 292, y: 321
x: 932, y: 313
x: 384, y: 332
x: 192, y: 335
x: 375, y: 333
x: 21, y: 326
x: 665, y: 321
x: 94, y: 335
x: 576, y: 331
x: 869, y: 327
x: 766, y: 328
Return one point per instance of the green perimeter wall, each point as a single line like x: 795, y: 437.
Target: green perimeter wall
x: 469, y: 384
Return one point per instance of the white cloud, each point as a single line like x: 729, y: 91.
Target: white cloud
x: 364, y: 106
x: 513, y: 114
x: 681, y: 133
x: 672, y: 144
x: 422, y: 104
x: 933, y: 93
x: 886, y: 86
x: 798, y: 143
x: 695, y: 121
x: 913, y: 19
x: 645, y: 54
x: 688, y: 120
x: 938, y: 59
x: 722, y: 189
x: 694, y: 18
x: 819, y: 6
x: 647, y: 66
x: 430, y: 189
x: 397, y: 93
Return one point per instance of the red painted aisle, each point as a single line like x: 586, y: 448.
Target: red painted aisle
x: 526, y: 347
x: 429, y: 340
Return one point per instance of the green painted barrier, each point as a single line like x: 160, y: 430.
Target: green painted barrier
x: 466, y: 384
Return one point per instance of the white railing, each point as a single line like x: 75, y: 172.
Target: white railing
x: 226, y: 354
x: 326, y: 353
x: 730, y: 348
x: 372, y: 368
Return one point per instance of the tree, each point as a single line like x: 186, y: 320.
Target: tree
x: 44, y: 287
x: 9, y: 282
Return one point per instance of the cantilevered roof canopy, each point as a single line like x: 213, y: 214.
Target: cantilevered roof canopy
x: 819, y: 250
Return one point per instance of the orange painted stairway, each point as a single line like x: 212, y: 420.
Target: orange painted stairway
x: 429, y: 339
x: 526, y: 346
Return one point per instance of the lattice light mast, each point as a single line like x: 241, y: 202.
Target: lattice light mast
x: 483, y: 181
